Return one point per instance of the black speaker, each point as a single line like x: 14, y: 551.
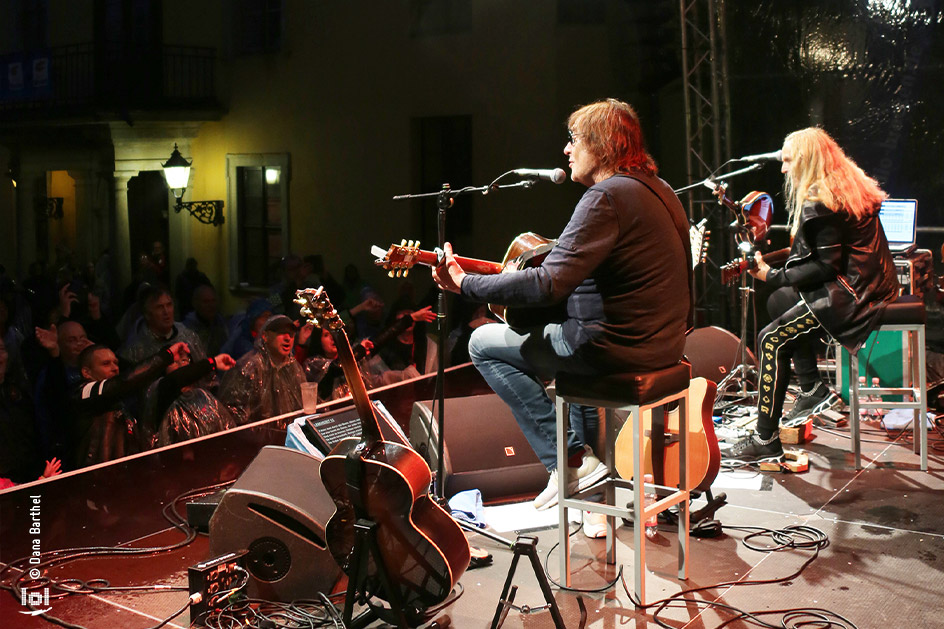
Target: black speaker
x: 713, y: 353
x: 485, y: 449
x: 277, y: 511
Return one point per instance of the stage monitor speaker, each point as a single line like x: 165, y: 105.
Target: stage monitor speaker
x: 713, y: 353
x: 485, y: 448
x: 277, y: 511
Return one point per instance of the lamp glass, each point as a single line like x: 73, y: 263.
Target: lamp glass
x: 272, y: 175
x: 177, y: 176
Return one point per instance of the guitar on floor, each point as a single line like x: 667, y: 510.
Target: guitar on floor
x: 660, y: 452
x: 423, y: 550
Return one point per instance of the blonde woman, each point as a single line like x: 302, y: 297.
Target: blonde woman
x: 839, y: 267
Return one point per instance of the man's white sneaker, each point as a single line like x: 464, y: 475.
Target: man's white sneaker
x: 590, y: 472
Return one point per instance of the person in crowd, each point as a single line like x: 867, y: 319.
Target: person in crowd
x: 267, y: 381
x: 623, y: 267
x: 187, y: 282
x: 20, y: 460
x: 158, y: 329
x: 205, y: 319
x: 54, y: 414
x: 321, y: 365
x: 321, y: 276
x: 470, y: 315
x: 282, y: 295
x: 104, y: 429
x: 177, y: 410
x: 401, y: 347
x: 839, y: 270
x: 242, y: 337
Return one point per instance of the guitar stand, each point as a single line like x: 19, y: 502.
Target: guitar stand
x: 365, y: 548
x: 526, y: 545
x: 742, y: 374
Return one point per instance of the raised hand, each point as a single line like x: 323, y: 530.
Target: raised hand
x: 53, y: 468
x: 179, y: 351
x: 66, y: 299
x: 48, y: 339
x: 224, y: 362
x: 424, y: 314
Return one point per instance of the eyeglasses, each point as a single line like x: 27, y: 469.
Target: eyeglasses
x: 572, y: 137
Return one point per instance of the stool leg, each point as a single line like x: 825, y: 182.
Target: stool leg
x: 922, y: 388
x: 639, y: 520
x: 683, y: 525
x: 563, y: 422
x: 854, y: 408
x: 609, y: 494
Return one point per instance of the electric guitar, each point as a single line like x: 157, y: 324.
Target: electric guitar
x: 423, y: 550
x: 660, y: 451
x: 733, y: 270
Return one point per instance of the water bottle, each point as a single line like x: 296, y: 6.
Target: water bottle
x: 864, y: 412
x: 877, y: 413
x: 652, y: 524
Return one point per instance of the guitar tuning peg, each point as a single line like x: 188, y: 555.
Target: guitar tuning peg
x: 403, y: 242
x: 391, y: 273
x: 405, y: 272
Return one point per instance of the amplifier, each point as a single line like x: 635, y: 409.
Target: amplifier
x: 914, y: 272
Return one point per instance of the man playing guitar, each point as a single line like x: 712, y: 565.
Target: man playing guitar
x: 623, y: 267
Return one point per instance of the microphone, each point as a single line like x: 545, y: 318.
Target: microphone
x: 773, y: 156
x: 554, y: 176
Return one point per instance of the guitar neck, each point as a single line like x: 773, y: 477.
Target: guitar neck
x: 370, y: 427
x: 469, y: 265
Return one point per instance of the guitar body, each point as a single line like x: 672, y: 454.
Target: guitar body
x: 422, y: 549
x: 528, y: 250
x: 704, y: 455
x: 394, y: 491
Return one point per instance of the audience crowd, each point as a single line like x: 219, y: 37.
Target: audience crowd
x: 88, y: 375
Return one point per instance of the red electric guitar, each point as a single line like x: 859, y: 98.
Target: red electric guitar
x: 423, y: 550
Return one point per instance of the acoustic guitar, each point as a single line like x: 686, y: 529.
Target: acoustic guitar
x: 660, y: 451
x: 424, y: 551
x: 526, y: 250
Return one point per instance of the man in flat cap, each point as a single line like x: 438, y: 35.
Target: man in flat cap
x: 267, y: 381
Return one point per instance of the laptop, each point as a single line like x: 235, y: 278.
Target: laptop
x: 898, y: 218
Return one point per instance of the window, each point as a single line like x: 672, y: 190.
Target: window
x: 259, y: 230
x: 258, y: 26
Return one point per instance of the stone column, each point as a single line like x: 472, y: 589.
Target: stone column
x: 122, y: 236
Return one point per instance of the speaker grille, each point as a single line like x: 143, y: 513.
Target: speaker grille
x: 269, y: 559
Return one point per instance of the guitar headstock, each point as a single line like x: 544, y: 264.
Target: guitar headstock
x: 732, y: 270
x: 698, y: 235
x: 399, y: 259
x: 317, y: 308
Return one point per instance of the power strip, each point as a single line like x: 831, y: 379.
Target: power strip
x: 212, y: 581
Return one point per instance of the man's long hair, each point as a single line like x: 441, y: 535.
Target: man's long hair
x: 822, y: 172
x: 611, y: 130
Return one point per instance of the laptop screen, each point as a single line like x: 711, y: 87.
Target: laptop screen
x: 898, y: 220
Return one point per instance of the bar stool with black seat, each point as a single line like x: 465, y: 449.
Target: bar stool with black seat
x: 637, y: 393
x: 906, y: 315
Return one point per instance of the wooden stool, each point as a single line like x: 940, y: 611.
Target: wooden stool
x: 637, y: 393
x: 905, y: 315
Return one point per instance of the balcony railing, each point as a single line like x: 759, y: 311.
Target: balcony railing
x: 86, y: 77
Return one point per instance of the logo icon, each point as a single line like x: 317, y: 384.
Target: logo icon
x: 509, y: 451
x: 35, y: 598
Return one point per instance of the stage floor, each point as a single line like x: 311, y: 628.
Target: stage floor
x: 882, y: 566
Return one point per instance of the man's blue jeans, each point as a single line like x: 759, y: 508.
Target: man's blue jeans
x: 515, y: 363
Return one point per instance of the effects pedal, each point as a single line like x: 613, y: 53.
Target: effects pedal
x: 212, y: 582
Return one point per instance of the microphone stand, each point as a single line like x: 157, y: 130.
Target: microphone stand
x: 444, y: 200
x: 709, y: 182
